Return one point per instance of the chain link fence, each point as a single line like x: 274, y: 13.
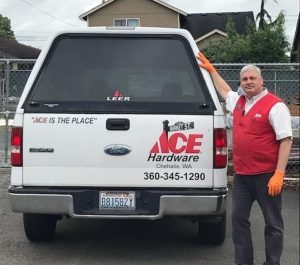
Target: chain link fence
x: 281, y: 79
x: 13, y: 77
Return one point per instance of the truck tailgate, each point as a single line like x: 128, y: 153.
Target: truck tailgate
x: 102, y: 150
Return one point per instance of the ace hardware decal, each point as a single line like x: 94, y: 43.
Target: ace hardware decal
x: 176, y: 150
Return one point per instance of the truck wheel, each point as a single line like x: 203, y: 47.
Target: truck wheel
x: 39, y: 227
x: 212, y: 232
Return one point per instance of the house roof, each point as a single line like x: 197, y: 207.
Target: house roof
x: 211, y: 33
x: 107, y: 2
x: 15, y: 50
x: 296, y: 40
x: 201, y: 24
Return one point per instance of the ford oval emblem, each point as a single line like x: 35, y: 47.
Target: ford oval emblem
x: 117, y: 150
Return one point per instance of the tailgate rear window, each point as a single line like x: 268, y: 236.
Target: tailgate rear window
x: 120, y: 73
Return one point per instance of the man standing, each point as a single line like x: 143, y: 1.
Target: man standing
x: 262, y: 139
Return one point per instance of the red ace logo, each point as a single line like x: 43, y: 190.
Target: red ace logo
x: 177, y: 143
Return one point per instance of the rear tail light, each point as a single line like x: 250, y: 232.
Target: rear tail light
x: 220, y: 148
x: 17, y: 147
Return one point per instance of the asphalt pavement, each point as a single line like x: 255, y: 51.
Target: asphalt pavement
x: 168, y: 241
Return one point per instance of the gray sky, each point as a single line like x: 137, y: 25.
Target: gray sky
x: 34, y: 20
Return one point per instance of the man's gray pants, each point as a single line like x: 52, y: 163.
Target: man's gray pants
x: 245, y: 190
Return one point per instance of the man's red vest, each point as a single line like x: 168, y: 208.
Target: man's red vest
x: 255, y: 148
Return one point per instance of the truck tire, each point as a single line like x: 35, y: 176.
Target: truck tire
x: 39, y: 227
x: 212, y: 232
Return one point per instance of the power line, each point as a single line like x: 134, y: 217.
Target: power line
x: 48, y: 14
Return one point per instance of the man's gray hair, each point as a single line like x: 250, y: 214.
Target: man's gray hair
x: 250, y: 67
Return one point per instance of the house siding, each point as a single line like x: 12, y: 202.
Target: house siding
x: 150, y: 14
x: 212, y: 38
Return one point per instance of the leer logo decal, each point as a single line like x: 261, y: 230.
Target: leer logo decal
x: 118, y: 96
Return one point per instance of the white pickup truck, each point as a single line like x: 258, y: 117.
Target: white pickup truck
x: 119, y: 123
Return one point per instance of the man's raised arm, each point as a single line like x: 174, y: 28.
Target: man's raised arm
x: 221, y: 85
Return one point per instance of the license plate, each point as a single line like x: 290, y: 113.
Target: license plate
x: 117, y: 200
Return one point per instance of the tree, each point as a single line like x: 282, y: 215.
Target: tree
x: 265, y: 45
x: 270, y: 44
x: 261, y: 15
x: 5, y: 29
x: 230, y: 49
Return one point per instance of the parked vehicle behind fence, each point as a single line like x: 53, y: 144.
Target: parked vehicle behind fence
x: 119, y: 123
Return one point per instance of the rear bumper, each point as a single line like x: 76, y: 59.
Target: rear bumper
x: 151, y: 204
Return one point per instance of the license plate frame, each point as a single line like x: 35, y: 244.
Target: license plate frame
x: 117, y: 200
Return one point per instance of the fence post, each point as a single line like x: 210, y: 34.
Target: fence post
x: 6, y: 111
x: 275, y: 77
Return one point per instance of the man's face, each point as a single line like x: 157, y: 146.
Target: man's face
x: 252, y: 83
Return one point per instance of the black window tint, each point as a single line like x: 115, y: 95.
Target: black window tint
x: 94, y: 69
x: 144, y: 69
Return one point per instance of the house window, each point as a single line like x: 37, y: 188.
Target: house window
x: 127, y: 22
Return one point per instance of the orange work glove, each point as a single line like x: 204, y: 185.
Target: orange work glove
x: 275, y: 183
x: 205, y: 63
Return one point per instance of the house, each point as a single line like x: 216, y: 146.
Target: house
x: 207, y: 27
x: 138, y: 13
x: 19, y: 69
x: 11, y: 49
x: 157, y: 13
x: 295, y: 55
